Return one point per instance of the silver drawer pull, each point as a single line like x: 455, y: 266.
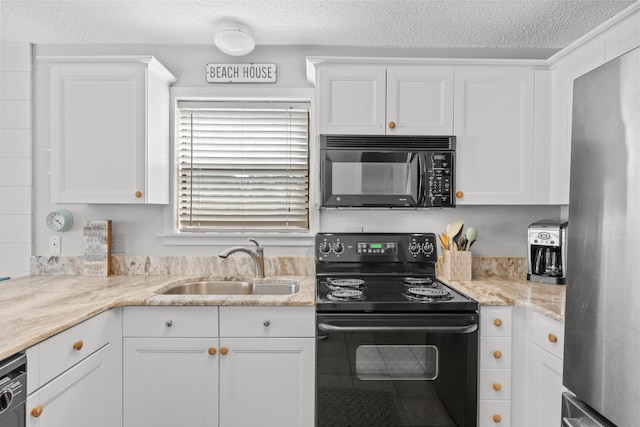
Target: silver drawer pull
x: 266, y: 322
x: 168, y: 323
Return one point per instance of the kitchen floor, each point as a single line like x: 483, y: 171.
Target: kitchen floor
x: 345, y: 400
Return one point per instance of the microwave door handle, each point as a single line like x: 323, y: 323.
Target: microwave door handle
x: 422, y: 173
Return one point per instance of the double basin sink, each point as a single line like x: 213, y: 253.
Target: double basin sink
x: 234, y: 287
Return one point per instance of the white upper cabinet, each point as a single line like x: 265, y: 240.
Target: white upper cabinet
x: 619, y: 36
x: 419, y: 100
x: 397, y: 100
x: 494, y: 111
x: 109, y: 130
x: 352, y: 99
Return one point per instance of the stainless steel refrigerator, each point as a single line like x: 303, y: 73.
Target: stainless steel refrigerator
x: 602, y: 318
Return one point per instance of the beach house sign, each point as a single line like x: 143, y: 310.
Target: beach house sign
x: 241, y: 73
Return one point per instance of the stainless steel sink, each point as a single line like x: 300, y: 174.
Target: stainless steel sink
x: 230, y: 287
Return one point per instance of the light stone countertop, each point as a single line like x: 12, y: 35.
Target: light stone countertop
x: 37, y: 307
x: 544, y: 298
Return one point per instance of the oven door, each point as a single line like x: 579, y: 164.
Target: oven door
x: 396, y: 370
x: 354, y: 178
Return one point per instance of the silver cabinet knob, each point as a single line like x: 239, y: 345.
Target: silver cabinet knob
x: 266, y: 322
x: 168, y: 323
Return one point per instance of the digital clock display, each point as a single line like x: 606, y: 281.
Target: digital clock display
x: 384, y: 248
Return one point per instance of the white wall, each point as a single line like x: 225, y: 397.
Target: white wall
x: 15, y: 159
x: 502, y: 229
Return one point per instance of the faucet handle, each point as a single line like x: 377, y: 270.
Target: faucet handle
x: 259, y: 248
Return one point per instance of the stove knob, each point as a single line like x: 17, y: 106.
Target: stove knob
x: 6, y: 396
x: 414, y: 248
x: 338, y: 248
x: 427, y: 248
x: 324, y: 247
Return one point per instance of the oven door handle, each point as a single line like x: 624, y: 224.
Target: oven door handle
x: 465, y: 329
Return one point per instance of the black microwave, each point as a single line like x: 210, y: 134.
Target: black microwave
x: 379, y: 171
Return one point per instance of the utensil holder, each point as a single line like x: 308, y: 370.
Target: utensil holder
x: 456, y: 265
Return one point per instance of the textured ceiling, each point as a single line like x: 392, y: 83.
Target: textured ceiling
x: 361, y: 23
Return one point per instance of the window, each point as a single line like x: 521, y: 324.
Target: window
x: 242, y: 166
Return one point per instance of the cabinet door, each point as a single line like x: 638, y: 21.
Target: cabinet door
x: 352, y: 99
x: 494, y: 127
x: 79, y: 397
x: 546, y: 389
x: 97, y: 133
x: 564, y: 72
x: 267, y: 382
x: 170, y: 382
x: 419, y: 100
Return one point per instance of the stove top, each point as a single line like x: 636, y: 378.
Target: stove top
x: 382, y: 272
x: 389, y: 294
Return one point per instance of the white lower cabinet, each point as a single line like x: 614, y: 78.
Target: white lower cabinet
x: 520, y: 376
x: 494, y: 414
x: 259, y: 372
x: 546, y: 371
x: 75, y: 378
x: 266, y: 382
x: 494, y: 389
x: 77, y: 398
x: 170, y: 382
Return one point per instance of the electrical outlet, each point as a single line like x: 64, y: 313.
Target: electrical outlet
x: 117, y: 244
x: 54, y: 245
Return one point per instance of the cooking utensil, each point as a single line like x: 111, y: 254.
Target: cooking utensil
x: 453, y: 231
x: 472, y: 235
x: 462, y: 243
x: 444, y: 239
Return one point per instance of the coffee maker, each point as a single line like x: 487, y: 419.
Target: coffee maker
x: 547, y: 254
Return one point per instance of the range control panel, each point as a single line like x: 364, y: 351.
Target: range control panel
x: 378, y: 247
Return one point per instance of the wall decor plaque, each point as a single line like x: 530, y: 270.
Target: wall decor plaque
x: 97, y: 248
x: 241, y: 73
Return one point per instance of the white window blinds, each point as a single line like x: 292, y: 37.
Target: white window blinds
x: 243, y: 166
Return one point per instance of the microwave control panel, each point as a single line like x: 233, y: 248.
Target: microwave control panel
x: 440, y: 183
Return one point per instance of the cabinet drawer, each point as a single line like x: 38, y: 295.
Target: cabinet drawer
x: 81, y: 396
x: 494, y: 414
x: 495, y: 353
x: 62, y: 351
x: 267, y: 322
x: 170, y: 321
x: 548, y: 334
x: 495, y: 384
x: 495, y: 321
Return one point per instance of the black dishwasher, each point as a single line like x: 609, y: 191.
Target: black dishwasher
x: 13, y: 391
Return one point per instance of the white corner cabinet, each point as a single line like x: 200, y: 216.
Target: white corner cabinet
x: 221, y: 366
x: 109, y: 121
x: 74, y: 376
x: 393, y: 100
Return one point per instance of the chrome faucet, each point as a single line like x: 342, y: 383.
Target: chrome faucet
x: 257, y: 255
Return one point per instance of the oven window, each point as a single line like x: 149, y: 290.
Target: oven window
x: 390, y: 362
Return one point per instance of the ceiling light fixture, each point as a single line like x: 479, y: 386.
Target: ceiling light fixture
x: 234, y: 38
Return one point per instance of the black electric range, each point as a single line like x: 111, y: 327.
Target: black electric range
x: 382, y: 273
